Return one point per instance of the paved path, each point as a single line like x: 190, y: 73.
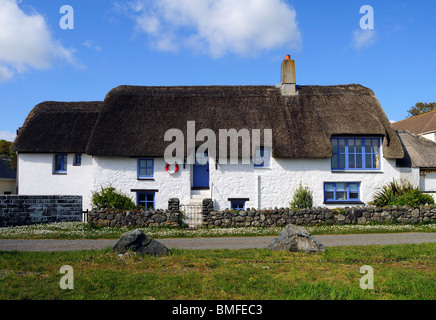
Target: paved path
x: 219, y: 243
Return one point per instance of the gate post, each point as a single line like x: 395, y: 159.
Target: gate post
x: 174, y: 205
x: 208, y: 207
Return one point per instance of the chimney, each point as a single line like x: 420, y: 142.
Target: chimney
x: 287, y: 83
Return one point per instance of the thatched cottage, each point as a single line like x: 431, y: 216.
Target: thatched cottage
x: 335, y: 139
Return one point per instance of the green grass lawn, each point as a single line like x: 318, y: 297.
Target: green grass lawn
x: 400, y: 272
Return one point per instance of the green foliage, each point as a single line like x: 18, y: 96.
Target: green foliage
x: 415, y: 198
x: 6, y: 149
x: 110, y: 198
x: 303, y: 198
x: 420, y: 108
x: 401, y: 193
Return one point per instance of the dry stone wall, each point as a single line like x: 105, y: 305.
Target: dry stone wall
x: 137, y: 218
x: 316, y: 216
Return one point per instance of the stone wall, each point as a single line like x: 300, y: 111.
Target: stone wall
x: 137, y: 218
x: 318, y: 216
x: 18, y: 210
x: 133, y: 218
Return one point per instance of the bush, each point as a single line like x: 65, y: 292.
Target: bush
x: 400, y: 194
x: 303, y: 198
x: 110, y: 198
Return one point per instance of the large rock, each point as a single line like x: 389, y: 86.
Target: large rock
x: 295, y: 239
x: 138, y: 241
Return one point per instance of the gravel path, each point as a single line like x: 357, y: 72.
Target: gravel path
x: 219, y: 243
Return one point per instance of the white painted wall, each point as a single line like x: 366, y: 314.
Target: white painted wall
x: 274, y: 186
x: 121, y: 173
x: 430, y: 136
x: 35, y: 177
x: 428, y: 180
x: 265, y: 187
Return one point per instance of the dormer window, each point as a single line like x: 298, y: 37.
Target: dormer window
x: 356, y: 154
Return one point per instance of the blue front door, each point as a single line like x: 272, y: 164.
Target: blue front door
x: 201, y: 171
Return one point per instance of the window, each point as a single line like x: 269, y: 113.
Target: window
x: 237, y: 204
x: 145, y: 168
x: 145, y: 199
x: 342, y: 191
x: 262, y: 158
x: 356, y: 154
x: 60, y: 163
x: 77, y: 159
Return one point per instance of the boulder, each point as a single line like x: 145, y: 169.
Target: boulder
x: 138, y: 241
x: 296, y: 239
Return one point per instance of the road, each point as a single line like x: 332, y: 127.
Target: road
x: 219, y: 243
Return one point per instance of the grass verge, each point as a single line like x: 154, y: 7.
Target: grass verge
x: 79, y: 230
x: 400, y: 272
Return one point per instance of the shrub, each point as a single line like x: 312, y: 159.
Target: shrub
x: 303, y: 198
x: 414, y: 198
x: 401, y: 193
x: 110, y: 198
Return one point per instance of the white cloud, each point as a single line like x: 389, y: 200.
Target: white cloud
x: 89, y: 44
x: 26, y: 42
x: 217, y: 27
x: 5, y: 73
x: 7, y: 135
x: 363, y: 38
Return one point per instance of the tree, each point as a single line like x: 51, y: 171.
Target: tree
x: 6, y: 149
x: 420, y: 108
x: 4, y: 146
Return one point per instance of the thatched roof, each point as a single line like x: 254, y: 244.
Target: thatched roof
x: 419, y: 152
x: 58, y: 127
x: 134, y: 119
x: 421, y: 124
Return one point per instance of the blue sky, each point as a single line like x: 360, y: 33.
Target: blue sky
x: 205, y: 42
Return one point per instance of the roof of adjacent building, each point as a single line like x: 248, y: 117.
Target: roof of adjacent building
x: 6, y: 172
x: 421, y: 124
x: 132, y: 120
x: 419, y: 152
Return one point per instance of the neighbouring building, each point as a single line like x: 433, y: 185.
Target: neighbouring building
x: 423, y: 125
x: 7, y: 179
x: 335, y: 139
x: 420, y: 154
